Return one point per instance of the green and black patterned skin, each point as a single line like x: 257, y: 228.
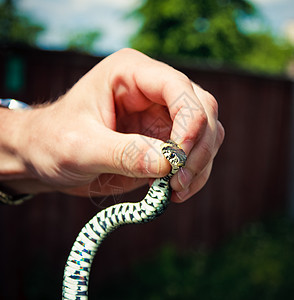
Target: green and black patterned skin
x: 77, y: 269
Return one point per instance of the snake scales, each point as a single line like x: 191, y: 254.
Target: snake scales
x: 78, y: 265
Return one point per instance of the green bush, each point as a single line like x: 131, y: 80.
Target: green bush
x: 256, y: 264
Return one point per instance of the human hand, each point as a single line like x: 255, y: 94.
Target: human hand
x: 107, y: 130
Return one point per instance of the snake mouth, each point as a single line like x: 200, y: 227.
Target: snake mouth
x: 173, y: 153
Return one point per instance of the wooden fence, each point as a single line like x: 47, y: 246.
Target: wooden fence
x: 249, y: 178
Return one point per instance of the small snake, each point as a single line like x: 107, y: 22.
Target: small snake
x: 78, y: 265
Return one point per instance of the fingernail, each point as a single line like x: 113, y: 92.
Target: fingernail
x: 183, y: 194
x: 185, y: 178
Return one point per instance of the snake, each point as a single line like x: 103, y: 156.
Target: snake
x: 83, y: 251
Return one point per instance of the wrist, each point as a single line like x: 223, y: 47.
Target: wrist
x: 19, y: 150
x: 12, y: 165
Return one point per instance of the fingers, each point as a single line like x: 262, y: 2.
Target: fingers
x: 135, y: 82
x: 132, y: 155
x: 198, y: 166
x: 192, y: 181
x: 166, y: 86
x: 196, y: 185
x: 157, y: 81
x: 194, y: 113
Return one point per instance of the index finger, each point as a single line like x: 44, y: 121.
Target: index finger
x: 164, y: 85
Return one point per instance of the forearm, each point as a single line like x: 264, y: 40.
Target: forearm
x: 11, y: 127
x: 15, y: 176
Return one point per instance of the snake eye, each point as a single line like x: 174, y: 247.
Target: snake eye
x: 172, y: 155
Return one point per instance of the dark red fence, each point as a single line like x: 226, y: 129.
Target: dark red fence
x: 249, y: 179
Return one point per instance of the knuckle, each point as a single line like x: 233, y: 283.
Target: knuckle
x: 202, y: 118
x: 220, y: 133
x: 182, y: 76
x: 213, y: 104
x: 173, y: 76
x: 203, y: 178
x: 207, y: 152
x: 130, y: 51
x: 126, y: 52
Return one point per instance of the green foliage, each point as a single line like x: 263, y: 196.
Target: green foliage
x: 207, y: 31
x: 16, y: 28
x: 84, y: 41
x: 267, y: 54
x: 258, y: 264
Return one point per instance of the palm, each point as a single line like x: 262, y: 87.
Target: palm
x: 145, y: 118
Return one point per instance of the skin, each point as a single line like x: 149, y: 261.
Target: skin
x: 107, y: 130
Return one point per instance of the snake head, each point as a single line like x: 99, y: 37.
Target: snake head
x: 174, y: 154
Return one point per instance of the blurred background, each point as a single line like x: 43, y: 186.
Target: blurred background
x: 234, y: 239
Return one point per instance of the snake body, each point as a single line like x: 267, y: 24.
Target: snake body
x: 78, y: 265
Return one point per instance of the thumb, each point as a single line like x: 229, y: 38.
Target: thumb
x: 135, y: 155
